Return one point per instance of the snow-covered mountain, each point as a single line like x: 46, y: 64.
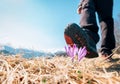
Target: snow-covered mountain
x: 28, y: 53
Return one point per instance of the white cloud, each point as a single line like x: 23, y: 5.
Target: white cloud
x: 23, y: 34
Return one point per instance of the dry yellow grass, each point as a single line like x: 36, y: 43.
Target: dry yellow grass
x: 58, y: 70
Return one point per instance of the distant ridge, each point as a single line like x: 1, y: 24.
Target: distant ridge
x: 28, y: 53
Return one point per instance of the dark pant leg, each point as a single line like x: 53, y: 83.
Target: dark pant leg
x: 88, y: 19
x: 104, y: 9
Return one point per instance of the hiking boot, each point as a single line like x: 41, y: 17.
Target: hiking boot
x: 106, y: 54
x: 75, y: 35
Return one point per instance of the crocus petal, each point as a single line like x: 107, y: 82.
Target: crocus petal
x: 75, y: 49
x: 83, y: 55
x: 79, y: 51
x: 66, y: 50
x: 71, y: 51
x: 82, y: 52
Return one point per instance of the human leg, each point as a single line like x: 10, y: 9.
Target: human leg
x: 107, y: 25
x: 87, y: 34
x: 88, y: 19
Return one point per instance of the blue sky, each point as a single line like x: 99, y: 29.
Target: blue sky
x: 38, y: 24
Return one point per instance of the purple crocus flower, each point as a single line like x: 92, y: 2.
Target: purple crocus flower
x: 82, y: 53
x: 71, y: 51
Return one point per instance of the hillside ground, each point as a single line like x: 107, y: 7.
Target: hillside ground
x: 59, y: 70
